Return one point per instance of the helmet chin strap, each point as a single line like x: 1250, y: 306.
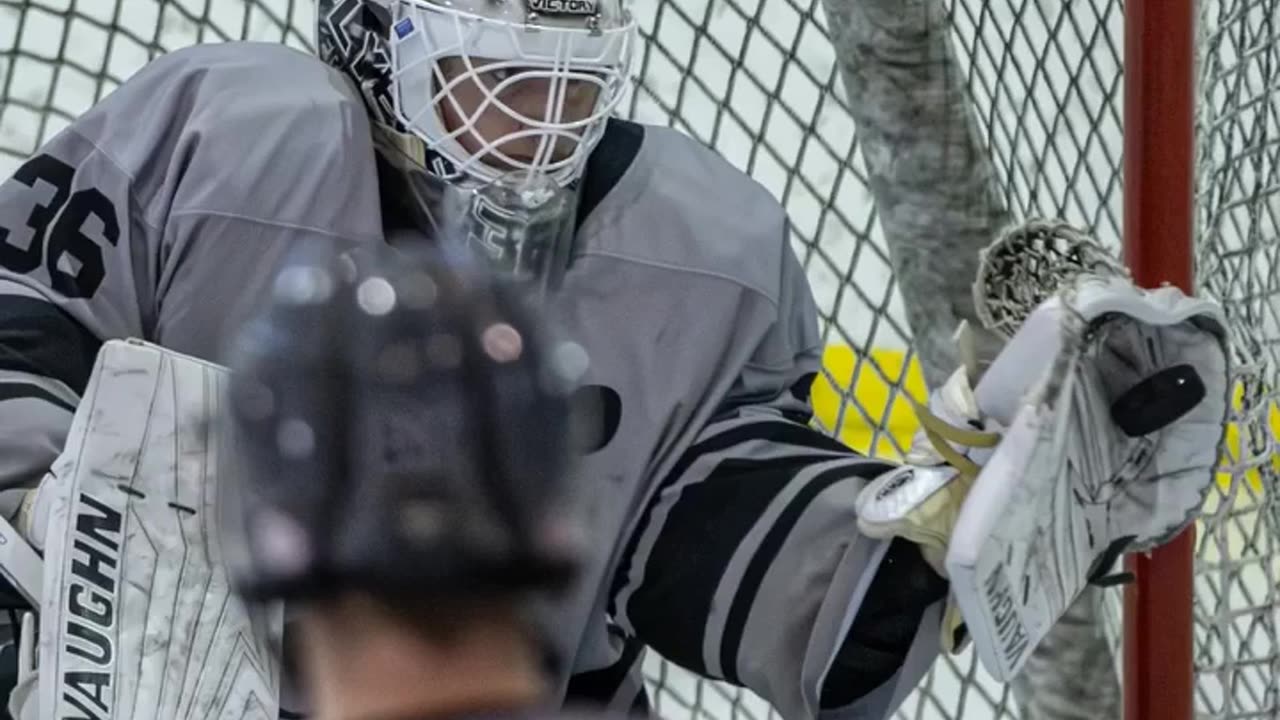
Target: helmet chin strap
x: 404, y: 150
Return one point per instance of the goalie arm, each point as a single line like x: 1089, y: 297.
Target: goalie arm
x: 747, y: 564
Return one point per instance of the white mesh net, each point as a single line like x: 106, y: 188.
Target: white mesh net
x: 1237, y: 254
x: 758, y: 80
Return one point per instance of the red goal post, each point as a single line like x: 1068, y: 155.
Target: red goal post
x: 1159, y: 237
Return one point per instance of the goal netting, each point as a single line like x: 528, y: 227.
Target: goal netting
x: 759, y: 80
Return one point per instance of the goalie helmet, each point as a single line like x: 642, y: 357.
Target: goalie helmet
x: 398, y: 426
x: 543, y: 74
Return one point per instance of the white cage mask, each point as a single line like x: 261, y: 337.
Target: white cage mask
x: 501, y: 86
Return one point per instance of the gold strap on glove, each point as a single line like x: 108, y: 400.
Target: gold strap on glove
x: 942, y: 434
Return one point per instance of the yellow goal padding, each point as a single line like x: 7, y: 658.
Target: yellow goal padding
x: 1235, y: 449
x: 877, y: 400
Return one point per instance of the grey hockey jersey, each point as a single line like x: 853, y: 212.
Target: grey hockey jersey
x: 727, y: 535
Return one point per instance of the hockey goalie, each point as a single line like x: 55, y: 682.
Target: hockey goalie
x: 821, y: 579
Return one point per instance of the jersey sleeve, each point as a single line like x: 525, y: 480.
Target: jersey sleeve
x: 63, y: 216
x: 161, y: 213
x: 747, y: 565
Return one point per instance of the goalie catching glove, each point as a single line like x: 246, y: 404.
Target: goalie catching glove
x: 1095, y: 432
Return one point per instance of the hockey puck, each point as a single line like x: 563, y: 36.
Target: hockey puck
x: 1158, y: 401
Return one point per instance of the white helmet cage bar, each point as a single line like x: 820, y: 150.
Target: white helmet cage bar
x: 507, y: 36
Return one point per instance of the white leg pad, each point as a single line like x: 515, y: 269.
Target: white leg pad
x: 138, y: 618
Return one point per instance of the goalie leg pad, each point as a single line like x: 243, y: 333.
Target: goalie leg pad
x: 139, y: 620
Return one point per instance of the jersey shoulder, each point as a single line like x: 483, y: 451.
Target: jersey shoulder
x: 240, y: 124
x: 163, y: 199
x: 678, y: 203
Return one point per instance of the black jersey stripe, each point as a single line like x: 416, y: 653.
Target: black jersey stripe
x: 39, y: 338
x: 607, y: 164
x: 670, y: 608
x: 787, y: 435
x: 21, y: 390
x: 878, y: 641
x: 598, y: 687
x: 745, y: 594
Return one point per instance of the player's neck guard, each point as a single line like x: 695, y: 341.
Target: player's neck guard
x: 521, y: 224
